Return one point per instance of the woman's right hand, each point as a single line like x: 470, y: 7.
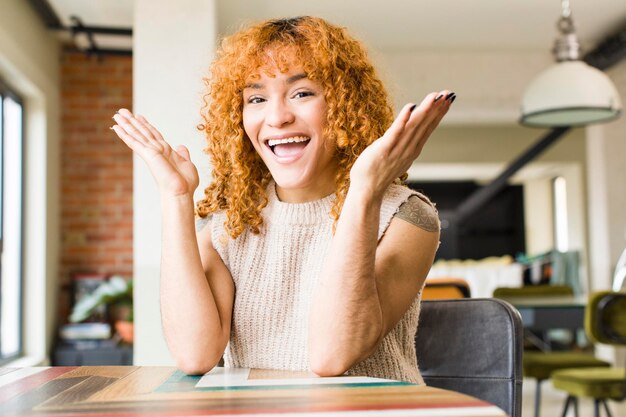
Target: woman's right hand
x: 172, y: 169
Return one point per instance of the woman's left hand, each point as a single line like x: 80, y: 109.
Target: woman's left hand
x: 390, y: 156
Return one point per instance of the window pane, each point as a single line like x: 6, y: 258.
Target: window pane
x: 1, y: 173
x: 11, y: 227
x: 560, y: 214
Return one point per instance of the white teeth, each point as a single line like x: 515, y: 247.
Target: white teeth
x: 274, y: 142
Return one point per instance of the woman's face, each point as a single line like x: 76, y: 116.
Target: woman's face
x: 284, y: 115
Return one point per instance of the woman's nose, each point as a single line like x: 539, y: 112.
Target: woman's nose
x: 279, y: 114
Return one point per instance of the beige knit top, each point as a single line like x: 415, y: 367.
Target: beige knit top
x: 275, y: 274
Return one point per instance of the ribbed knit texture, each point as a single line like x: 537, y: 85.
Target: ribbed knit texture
x: 275, y: 274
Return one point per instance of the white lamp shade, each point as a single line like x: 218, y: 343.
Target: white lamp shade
x: 570, y: 93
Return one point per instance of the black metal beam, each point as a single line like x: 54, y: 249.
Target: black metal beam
x: 89, y: 31
x: 108, y: 51
x: 78, y: 27
x: 78, y: 24
x: 609, y: 52
x: 476, y: 200
x: 46, y: 13
x: 52, y: 21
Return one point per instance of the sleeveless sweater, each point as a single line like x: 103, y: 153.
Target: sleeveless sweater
x: 275, y: 274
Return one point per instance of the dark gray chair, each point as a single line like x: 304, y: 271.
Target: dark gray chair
x: 473, y: 346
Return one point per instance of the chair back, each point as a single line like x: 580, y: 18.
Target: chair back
x: 445, y: 288
x: 473, y: 346
x: 605, y: 317
x: 543, y: 290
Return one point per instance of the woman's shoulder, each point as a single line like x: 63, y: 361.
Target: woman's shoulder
x: 418, y: 210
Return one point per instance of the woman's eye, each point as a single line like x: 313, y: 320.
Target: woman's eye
x: 255, y: 100
x: 302, y: 94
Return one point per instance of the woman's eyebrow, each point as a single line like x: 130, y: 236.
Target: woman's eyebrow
x: 254, y: 86
x: 290, y: 80
x: 296, y: 77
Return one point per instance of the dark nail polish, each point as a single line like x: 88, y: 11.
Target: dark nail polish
x: 412, y: 108
x: 449, y: 95
x: 438, y: 97
x: 452, y: 99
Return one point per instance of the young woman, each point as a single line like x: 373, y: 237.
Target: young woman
x: 309, y: 254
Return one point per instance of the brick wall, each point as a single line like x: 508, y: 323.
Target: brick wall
x: 96, y: 169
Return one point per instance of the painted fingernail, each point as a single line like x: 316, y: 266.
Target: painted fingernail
x: 449, y: 95
x: 452, y: 99
x: 412, y: 108
x: 438, y: 97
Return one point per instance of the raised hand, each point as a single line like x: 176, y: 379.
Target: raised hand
x: 390, y: 156
x: 173, y: 170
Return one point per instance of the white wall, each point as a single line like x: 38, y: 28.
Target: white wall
x: 173, y: 46
x: 538, y: 206
x: 606, y: 154
x: 29, y: 62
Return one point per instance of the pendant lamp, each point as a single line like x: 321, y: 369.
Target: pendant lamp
x: 571, y: 92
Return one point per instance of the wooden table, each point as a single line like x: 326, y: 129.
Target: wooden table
x: 545, y: 313
x: 129, y: 391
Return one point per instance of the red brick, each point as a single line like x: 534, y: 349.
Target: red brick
x: 96, y: 169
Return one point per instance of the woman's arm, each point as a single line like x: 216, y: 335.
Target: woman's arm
x: 367, y: 286
x: 197, y: 290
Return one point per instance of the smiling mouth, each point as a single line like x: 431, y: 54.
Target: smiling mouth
x: 289, y: 146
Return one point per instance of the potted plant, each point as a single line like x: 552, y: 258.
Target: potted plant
x: 117, y: 295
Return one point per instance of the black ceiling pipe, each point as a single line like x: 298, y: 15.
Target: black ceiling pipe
x: 102, y: 30
x: 52, y: 21
x: 478, y: 198
x: 609, y: 52
x: 47, y: 14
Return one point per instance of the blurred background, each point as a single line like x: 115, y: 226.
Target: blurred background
x: 77, y: 209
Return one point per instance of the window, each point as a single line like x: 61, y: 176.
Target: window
x: 561, y: 235
x: 11, y: 175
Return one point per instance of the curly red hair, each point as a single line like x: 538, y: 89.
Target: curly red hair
x: 359, y: 110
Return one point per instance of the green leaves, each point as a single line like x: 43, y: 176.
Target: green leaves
x: 116, y: 290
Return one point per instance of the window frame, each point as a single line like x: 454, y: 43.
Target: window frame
x: 7, y: 91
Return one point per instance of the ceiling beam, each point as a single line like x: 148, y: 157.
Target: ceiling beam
x: 102, y: 30
x: 477, y: 199
x: 609, y: 52
x: 46, y: 13
x: 51, y: 20
x: 78, y: 27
